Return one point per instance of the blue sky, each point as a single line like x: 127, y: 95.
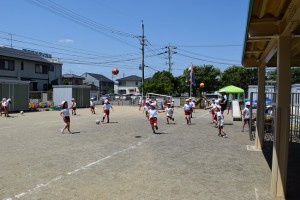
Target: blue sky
x: 101, y: 34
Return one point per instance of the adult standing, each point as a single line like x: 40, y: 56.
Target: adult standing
x: 224, y: 101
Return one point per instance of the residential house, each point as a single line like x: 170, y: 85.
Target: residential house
x: 129, y: 84
x: 37, y: 67
x: 72, y: 79
x: 102, y: 84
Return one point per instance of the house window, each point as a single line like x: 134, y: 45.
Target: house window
x: 41, y: 69
x: 22, y: 65
x: 122, y: 83
x: 136, y: 83
x: 7, y: 64
x: 51, y: 68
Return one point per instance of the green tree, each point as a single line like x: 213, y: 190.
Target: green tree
x: 295, y: 71
x: 239, y: 76
x: 206, y: 74
x: 161, y: 82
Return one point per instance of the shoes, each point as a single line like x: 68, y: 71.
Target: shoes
x: 225, y: 136
x: 62, y: 131
x: 156, y: 127
x: 102, y: 120
x: 242, y: 130
x: 216, y: 126
x: 173, y: 119
x: 168, y: 123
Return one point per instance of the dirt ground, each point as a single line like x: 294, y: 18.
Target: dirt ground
x: 124, y: 160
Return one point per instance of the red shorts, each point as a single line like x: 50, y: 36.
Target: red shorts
x: 73, y: 108
x: 3, y: 108
x: 67, y: 119
x: 187, y: 112
x: 153, y: 120
x: 106, y: 112
x: 92, y: 107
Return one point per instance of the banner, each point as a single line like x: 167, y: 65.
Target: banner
x: 190, y: 80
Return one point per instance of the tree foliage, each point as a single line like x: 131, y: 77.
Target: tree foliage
x: 161, y: 82
x: 206, y: 74
x: 239, y: 76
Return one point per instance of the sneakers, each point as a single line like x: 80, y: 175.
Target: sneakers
x: 62, y: 131
x: 173, y: 119
x: 156, y: 127
x: 225, y: 136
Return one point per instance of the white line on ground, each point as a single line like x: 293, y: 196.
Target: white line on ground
x: 86, y: 167
x: 256, y: 193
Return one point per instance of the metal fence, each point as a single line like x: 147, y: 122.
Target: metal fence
x: 270, y: 113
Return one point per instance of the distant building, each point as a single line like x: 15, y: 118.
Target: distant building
x: 129, y: 84
x: 40, y: 69
x: 72, y: 79
x: 98, y: 82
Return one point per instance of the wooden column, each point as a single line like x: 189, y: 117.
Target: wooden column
x: 282, y: 118
x: 260, y: 113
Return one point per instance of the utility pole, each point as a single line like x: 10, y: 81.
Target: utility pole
x: 142, y: 40
x: 170, y: 51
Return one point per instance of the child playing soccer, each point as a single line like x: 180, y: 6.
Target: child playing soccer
x: 169, y: 113
x: 146, y: 109
x: 73, y: 107
x: 4, y: 106
x: 220, y: 118
x: 65, y: 113
x: 106, y: 107
x: 187, y: 111
x: 92, y: 106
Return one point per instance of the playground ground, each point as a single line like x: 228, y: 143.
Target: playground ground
x: 125, y: 160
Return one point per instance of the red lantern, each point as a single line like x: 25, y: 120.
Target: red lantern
x: 115, y: 71
x: 202, y: 85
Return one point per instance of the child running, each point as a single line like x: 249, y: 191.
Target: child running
x: 106, y: 107
x: 153, y: 112
x: 187, y: 111
x: 92, y: 106
x: 73, y: 107
x: 169, y: 113
x: 246, y: 115
x: 65, y: 113
x: 220, y: 118
x: 146, y: 110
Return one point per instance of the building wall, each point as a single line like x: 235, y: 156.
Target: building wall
x: 129, y: 86
x: 26, y: 70
x: 103, y: 86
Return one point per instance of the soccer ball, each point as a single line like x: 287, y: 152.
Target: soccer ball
x: 21, y: 112
x: 115, y: 71
x: 97, y: 121
x: 202, y: 85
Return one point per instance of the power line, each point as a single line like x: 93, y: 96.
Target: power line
x: 79, y: 19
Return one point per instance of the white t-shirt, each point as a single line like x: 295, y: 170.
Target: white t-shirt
x: 246, y: 113
x: 146, y: 108
x: 169, y: 112
x: 74, y: 104
x: 106, y: 106
x: 192, y: 104
x: 220, y: 118
x: 153, y: 113
x: 65, y: 112
x: 186, y: 107
x: 92, y: 103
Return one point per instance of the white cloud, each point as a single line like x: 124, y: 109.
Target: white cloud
x: 66, y: 41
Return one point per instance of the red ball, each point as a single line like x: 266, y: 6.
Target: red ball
x: 115, y: 71
x: 202, y: 85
